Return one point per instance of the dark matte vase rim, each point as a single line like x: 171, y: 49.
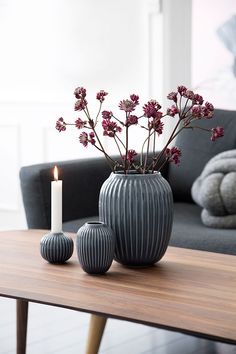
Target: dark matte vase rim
x: 93, y: 224
x: 134, y: 174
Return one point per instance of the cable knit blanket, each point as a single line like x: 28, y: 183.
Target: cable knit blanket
x: 215, y: 191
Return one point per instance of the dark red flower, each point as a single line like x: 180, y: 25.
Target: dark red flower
x: 157, y: 125
x: 130, y: 156
x: 101, y: 95
x: 217, y: 132
x: 206, y: 113
x: 172, y: 96
x: 151, y: 109
x: 172, y: 111
x: 131, y: 120
x: 80, y: 93
x: 198, y: 99
x: 189, y: 94
x: 80, y: 104
x: 182, y: 90
x: 83, y: 139
x: 127, y: 105
x: 209, y: 106
x: 92, y: 140
x: 107, y: 114
x: 110, y: 128
x: 60, y: 125
x: 79, y: 123
x: 196, y: 111
x: 173, y: 155
x: 135, y: 99
x: 208, y: 110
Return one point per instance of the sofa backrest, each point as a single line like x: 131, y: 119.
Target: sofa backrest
x: 197, y: 149
x: 82, y: 180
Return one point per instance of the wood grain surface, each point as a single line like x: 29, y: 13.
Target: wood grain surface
x: 188, y: 291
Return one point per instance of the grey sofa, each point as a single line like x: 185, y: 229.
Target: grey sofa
x: 83, y: 178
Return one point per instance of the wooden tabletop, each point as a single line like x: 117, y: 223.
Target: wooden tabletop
x: 189, y: 291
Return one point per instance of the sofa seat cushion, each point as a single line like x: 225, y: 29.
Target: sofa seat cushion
x: 189, y: 232
x: 74, y: 225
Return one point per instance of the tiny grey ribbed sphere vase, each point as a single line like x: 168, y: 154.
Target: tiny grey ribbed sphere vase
x: 56, y: 247
x: 95, y: 244
x: 139, y: 209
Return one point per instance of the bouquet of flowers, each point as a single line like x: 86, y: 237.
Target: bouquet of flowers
x: 188, y: 107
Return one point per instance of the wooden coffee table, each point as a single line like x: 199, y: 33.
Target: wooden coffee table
x: 188, y: 291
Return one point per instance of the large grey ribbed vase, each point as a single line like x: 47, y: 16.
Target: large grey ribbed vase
x: 139, y: 209
x: 95, y: 244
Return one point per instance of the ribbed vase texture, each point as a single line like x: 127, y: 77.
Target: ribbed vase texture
x: 56, y: 247
x: 139, y: 209
x: 95, y: 244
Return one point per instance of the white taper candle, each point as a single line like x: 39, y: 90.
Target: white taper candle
x: 56, y: 203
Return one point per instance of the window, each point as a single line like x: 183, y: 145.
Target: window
x: 213, y: 48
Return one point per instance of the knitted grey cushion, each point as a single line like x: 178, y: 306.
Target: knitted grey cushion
x: 197, y: 150
x: 215, y: 191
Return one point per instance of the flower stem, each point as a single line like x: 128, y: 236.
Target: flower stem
x: 147, y: 153
x: 118, y: 120
x: 148, y: 137
x: 96, y: 119
x: 126, y: 145
x: 118, y: 146
x: 110, y: 161
x: 157, y: 159
x: 121, y: 142
x: 153, y: 150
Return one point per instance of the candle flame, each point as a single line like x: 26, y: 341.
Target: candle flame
x: 55, y: 173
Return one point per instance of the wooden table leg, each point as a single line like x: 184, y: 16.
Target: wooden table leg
x: 21, y: 325
x: 96, y: 329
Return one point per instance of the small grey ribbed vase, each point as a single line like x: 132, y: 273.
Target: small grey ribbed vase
x: 139, y: 209
x: 56, y: 247
x: 95, y: 243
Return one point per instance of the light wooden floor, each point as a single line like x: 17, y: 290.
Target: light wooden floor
x: 54, y: 330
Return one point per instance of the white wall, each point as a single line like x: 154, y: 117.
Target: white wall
x: 48, y: 48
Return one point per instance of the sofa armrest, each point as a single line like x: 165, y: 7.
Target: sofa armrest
x: 82, y: 180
